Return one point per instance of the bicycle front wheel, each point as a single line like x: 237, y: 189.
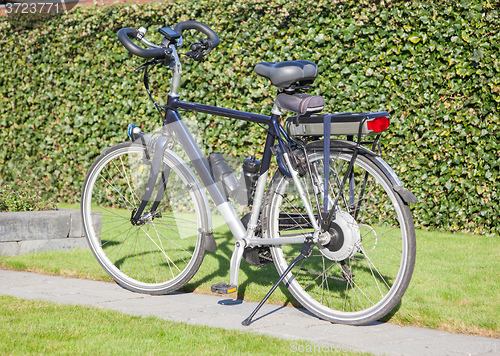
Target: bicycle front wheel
x: 364, y: 269
x: 162, y: 253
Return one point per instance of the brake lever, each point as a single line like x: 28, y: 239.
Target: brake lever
x: 196, y: 52
x: 207, y: 47
x: 199, y: 49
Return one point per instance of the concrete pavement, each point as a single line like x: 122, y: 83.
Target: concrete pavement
x: 278, y: 321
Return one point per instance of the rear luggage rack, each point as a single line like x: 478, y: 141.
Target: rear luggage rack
x: 350, y: 124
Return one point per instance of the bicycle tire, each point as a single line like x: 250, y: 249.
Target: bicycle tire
x: 356, y: 287
x: 161, y: 255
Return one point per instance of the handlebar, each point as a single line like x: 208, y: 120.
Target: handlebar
x: 213, y: 39
x: 125, y: 35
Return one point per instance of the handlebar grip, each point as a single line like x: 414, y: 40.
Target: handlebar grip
x: 124, y: 37
x: 213, y: 39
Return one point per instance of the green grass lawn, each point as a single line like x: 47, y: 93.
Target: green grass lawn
x: 41, y: 328
x: 455, y: 286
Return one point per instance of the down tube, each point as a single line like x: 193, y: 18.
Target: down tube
x: 175, y: 123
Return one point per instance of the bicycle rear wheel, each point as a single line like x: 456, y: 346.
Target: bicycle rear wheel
x: 160, y: 255
x: 364, y: 270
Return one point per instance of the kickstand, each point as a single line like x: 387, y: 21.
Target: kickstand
x: 304, y: 253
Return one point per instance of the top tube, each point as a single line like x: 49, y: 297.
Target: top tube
x: 175, y: 103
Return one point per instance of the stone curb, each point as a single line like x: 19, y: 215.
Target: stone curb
x: 36, y: 231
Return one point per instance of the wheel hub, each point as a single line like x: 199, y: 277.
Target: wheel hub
x: 146, y: 218
x: 345, y: 238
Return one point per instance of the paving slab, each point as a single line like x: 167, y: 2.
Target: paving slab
x: 279, y: 321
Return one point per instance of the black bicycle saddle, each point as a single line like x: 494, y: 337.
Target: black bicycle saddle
x: 285, y: 74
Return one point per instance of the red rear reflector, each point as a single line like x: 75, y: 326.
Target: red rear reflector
x: 378, y: 124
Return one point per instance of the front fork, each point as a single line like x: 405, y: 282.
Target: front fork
x: 160, y: 145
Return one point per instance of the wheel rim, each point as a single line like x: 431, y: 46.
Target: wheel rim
x: 153, y: 257
x: 370, y: 281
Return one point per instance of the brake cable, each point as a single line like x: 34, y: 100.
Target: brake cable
x: 147, y: 67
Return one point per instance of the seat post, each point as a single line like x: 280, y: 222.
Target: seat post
x: 276, y: 109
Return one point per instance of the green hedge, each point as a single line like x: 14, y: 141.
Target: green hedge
x: 68, y: 90
x: 24, y: 199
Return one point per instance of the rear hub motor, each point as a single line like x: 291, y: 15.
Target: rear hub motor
x: 345, y: 238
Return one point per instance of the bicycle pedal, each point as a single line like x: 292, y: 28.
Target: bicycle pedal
x: 223, y: 288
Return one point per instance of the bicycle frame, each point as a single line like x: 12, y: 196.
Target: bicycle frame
x: 244, y: 237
